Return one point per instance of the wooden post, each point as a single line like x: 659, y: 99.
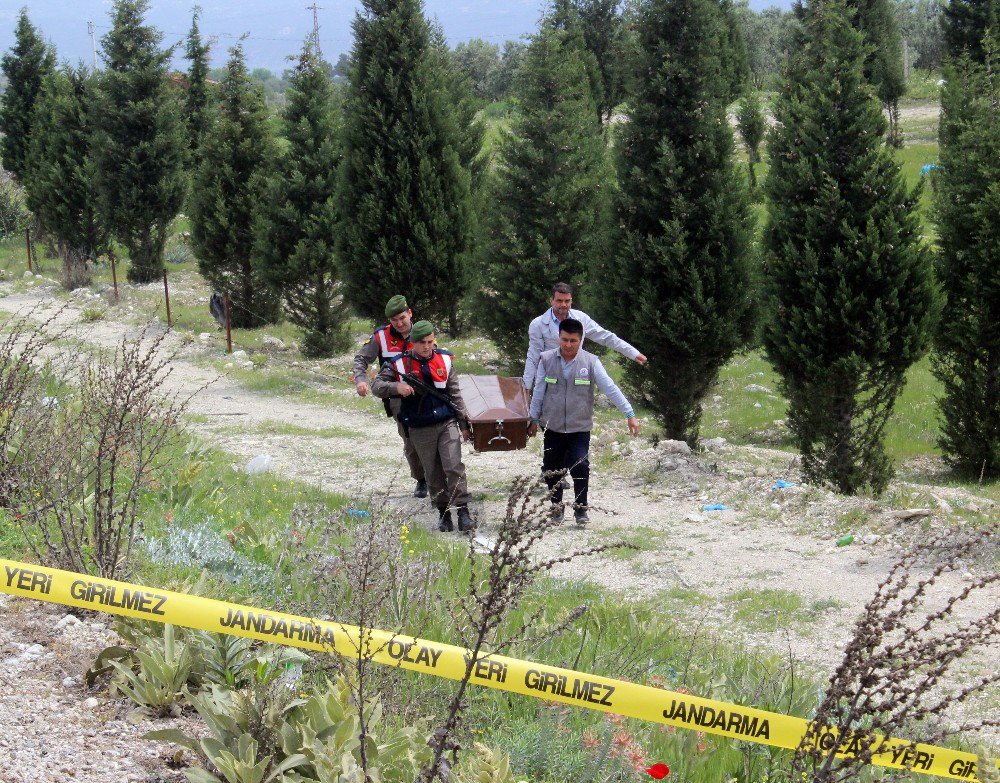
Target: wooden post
x: 114, y: 272
x: 27, y: 244
x: 229, y: 330
x: 166, y: 295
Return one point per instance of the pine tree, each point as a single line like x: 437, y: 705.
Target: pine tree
x: 963, y: 24
x: 25, y: 66
x: 567, y: 15
x: 404, y: 193
x: 139, y: 140
x: 752, y: 125
x: 226, y: 196
x: 60, y: 189
x: 604, y: 32
x: 545, y: 218
x: 197, y: 114
x: 848, y: 282
x: 680, y: 268
x: 883, y: 67
x: 295, y: 234
x: 967, y: 202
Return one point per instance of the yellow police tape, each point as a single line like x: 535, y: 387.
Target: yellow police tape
x: 443, y: 660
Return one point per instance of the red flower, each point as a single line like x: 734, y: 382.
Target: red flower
x: 658, y: 771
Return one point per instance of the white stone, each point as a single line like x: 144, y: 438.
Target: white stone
x: 67, y: 620
x: 674, y: 447
x: 240, y: 354
x: 756, y: 387
x: 69, y: 682
x: 274, y: 342
x: 246, y: 365
x: 228, y: 366
x: 714, y: 443
x: 28, y: 273
x: 871, y: 538
x: 205, y: 336
x: 91, y: 703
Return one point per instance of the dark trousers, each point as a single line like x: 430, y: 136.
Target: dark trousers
x: 562, y: 451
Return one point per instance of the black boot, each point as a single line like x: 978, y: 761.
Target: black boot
x: 444, y: 521
x: 466, y: 523
x: 420, y: 491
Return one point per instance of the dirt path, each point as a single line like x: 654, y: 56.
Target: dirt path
x: 769, y: 561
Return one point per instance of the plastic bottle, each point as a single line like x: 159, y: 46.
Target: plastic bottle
x: 845, y: 540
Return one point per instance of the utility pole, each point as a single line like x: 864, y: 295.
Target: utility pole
x: 316, y: 9
x: 93, y: 44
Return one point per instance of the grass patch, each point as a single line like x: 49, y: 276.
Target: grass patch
x: 644, y: 539
x: 766, y: 610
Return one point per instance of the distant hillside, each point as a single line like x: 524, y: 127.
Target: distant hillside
x: 276, y: 28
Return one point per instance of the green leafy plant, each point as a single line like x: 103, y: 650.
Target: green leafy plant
x: 486, y: 766
x: 155, y: 674
x: 325, y: 728
x: 241, y: 764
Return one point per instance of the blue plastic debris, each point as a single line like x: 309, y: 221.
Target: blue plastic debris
x: 358, y: 512
x: 715, y: 507
x: 782, y: 484
x: 927, y: 168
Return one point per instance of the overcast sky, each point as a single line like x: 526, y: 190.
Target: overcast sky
x: 276, y: 28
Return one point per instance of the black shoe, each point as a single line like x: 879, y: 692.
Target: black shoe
x: 465, y: 521
x: 444, y: 522
x: 581, y: 516
x: 557, y: 512
x: 420, y: 491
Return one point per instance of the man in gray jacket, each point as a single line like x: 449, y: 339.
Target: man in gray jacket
x: 563, y: 402
x: 543, y: 333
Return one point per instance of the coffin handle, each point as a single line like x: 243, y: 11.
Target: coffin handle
x: 499, y: 435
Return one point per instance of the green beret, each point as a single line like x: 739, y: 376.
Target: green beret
x: 420, y: 330
x: 396, y: 305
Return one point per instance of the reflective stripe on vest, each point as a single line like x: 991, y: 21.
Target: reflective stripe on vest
x: 439, y: 365
x: 388, y: 345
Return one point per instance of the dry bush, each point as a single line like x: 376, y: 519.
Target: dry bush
x: 27, y: 406
x: 375, y: 585
x: 498, y: 584
x: 75, y: 272
x: 889, y: 683
x: 91, y: 469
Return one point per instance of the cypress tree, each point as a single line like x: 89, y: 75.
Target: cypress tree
x: 848, y: 281
x: 26, y: 65
x: 139, y: 140
x: 404, y: 193
x: 197, y: 114
x: 545, y: 218
x: 967, y: 202
x: 752, y: 125
x: 226, y: 196
x: 295, y: 234
x: 680, y: 267
x: 60, y: 189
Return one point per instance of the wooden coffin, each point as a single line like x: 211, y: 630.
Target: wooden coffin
x: 498, y: 411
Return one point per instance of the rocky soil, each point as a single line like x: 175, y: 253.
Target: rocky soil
x: 704, y: 565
